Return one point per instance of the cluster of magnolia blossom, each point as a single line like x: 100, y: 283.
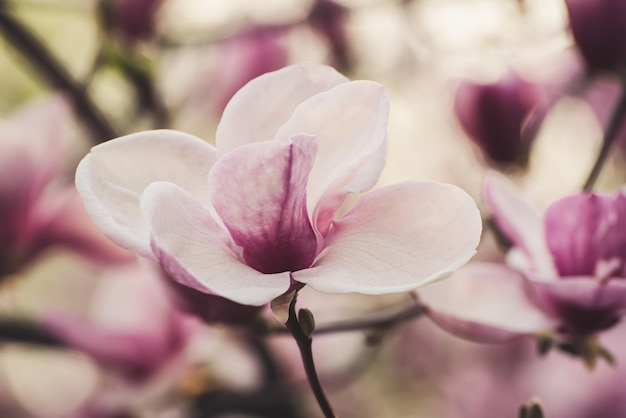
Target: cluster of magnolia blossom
x: 202, y: 250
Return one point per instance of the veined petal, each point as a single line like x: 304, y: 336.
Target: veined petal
x: 350, y: 121
x: 113, y: 176
x: 259, y: 192
x: 485, y: 302
x: 519, y: 222
x: 264, y: 104
x: 195, y: 250
x: 396, y: 239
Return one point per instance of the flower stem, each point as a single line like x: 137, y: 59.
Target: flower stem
x: 54, y: 73
x: 304, y: 342
x: 615, y: 123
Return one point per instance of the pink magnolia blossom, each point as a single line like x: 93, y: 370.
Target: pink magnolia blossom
x: 132, y: 329
x: 137, y: 340
x: 566, y: 270
x: 37, y: 210
x: 255, y: 216
x: 242, y: 57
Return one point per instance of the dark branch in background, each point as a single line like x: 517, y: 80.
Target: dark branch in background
x: 612, y: 131
x: 25, y: 332
x: 266, y: 403
x: 54, y: 73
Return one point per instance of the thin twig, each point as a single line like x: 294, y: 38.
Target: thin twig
x: 25, y: 332
x: 54, y: 73
x: 611, y: 134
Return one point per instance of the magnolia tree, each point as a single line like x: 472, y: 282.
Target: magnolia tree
x: 253, y: 233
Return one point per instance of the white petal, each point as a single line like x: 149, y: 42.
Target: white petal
x: 350, y: 121
x: 519, y: 222
x: 264, y: 104
x: 113, y: 176
x: 485, y: 302
x: 397, y: 238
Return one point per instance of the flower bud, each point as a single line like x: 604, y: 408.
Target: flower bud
x: 132, y: 20
x: 599, y: 29
x: 329, y: 19
x: 494, y: 116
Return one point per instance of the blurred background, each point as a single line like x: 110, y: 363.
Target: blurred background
x: 74, y: 73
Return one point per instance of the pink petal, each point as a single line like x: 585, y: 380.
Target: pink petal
x: 113, y: 176
x: 583, y: 304
x: 573, y: 226
x: 264, y: 104
x: 519, y: 222
x: 40, y: 131
x: 195, y: 250
x: 259, y: 192
x: 396, y: 239
x: 350, y: 121
x: 33, y: 142
x: 134, y: 355
x: 486, y: 303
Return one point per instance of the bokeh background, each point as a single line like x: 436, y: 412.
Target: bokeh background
x: 175, y: 63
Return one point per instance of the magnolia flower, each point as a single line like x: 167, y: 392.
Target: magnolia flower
x: 37, y: 210
x: 494, y: 116
x: 566, y: 271
x: 257, y: 215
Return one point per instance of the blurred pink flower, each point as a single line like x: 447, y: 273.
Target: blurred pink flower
x: 494, y: 116
x: 599, y: 29
x: 132, y: 330
x: 291, y: 146
x: 145, y: 348
x: 329, y: 18
x: 243, y: 57
x: 566, y: 271
x: 36, y: 209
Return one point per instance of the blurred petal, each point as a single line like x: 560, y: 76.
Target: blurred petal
x: 486, y: 303
x: 113, y: 176
x: 583, y: 304
x: 195, y: 250
x: 572, y: 227
x: 40, y: 130
x: 599, y: 29
x: 519, y: 222
x: 33, y: 142
x: 132, y: 354
x: 63, y: 221
x: 396, y: 239
x: 264, y: 104
x: 264, y: 205
x: 350, y: 121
